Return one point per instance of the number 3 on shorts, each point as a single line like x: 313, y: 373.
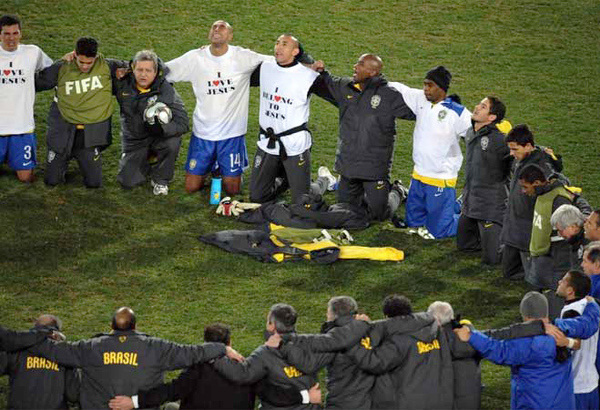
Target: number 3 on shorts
x: 27, y: 152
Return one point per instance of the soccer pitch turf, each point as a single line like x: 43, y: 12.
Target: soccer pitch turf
x: 81, y: 253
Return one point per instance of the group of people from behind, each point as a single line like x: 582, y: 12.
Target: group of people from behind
x: 427, y: 360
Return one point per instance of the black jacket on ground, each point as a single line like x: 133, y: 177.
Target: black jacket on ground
x: 516, y: 228
x: 348, y: 387
x: 367, y: 122
x: 135, y: 133
x: 123, y: 362
x: 487, y: 171
x: 312, y: 213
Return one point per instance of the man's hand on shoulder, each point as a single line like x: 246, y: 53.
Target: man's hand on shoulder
x: 273, y: 341
x: 121, y: 403
x: 121, y: 72
x: 69, y: 57
x: 555, y: 332
x: 463, y: 333
x: 318, y: 66
x: 233, y: 354
x: 314, y: 394
x: 363, y: 317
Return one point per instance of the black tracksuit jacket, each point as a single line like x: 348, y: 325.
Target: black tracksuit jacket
x: 367, y: 122
x: 123, y: 362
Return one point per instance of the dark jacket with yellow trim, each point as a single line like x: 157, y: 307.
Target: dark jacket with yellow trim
x: 135, y: 133
x: 123, y: 362
x: 416, y: 366
x: 348, y: 387
x: 487, y: 172
x: 367, y: 122
x: 29, y: 374
x: 267, y: 364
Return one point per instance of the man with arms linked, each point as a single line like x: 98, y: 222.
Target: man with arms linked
x: 18, y: 65
x: 153, y: 119
x: 220, y: 76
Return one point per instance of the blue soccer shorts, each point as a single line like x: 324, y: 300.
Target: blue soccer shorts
x: 230, y: 156
x: 19, y: 151
x: 432, y: 207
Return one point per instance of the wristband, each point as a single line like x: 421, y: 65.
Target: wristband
x: 571, y: 342
x: 305, y: 396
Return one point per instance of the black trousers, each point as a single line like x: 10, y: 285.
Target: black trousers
x: 475, y: 235
x: 516, y: 264
x: 89, y: 161
x: 134, y: 168
x: 295, y: 171
x: 365, y: 193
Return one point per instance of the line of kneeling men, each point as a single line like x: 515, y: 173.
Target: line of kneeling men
x: 427, y: 360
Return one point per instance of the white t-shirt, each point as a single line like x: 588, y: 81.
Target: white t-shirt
x: 585, y: 375
x: 436, y: 147
x: 285, y: 104
x: 221, y: 85
x: 17, y: 87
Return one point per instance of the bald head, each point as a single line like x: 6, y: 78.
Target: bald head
x: 123, y: 319
x: 374, y: 62
x: 368, y: 66
x: 49, y: 321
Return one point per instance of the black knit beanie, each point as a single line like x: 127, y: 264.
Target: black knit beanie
x: 440, y: 76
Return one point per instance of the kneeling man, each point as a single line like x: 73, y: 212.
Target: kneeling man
x: 153, y: 119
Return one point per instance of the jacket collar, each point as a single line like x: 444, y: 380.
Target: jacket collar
x: 373, y: 82
x: 541, y: 190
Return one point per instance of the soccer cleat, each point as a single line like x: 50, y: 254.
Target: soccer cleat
x: 424, y: 233
x: 421, y: 231
x: 325, y: 172
x: 401, y: 189
x: 159, y: 189
x: 399, y: 222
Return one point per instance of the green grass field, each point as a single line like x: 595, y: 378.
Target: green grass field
x: 82, y: 253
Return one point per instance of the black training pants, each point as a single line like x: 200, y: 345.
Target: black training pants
x: 366, y: 193
x: 475, y: 234
x: 89, y: 161
x: 295, y: 171
x: 134, y: 167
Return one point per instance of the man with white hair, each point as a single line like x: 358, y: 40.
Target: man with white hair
x: 465, y: 359
x: 465, y: 363
x: 153, y: 119
x: 568, y: 221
